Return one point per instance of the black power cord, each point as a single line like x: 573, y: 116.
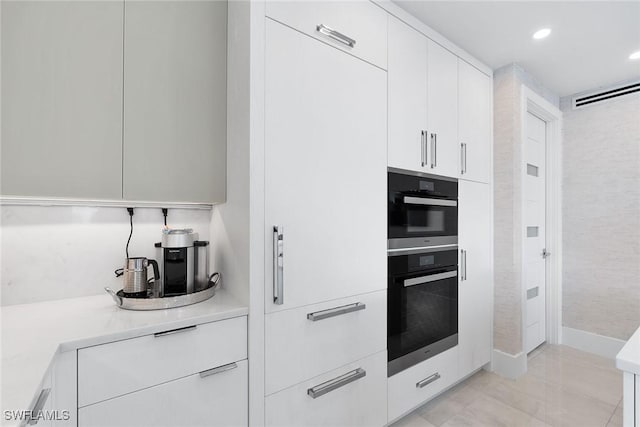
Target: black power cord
x: 130, y: 210
x: 165, y: 212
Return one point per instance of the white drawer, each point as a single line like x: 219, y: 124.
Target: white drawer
x: 219, y: 399
x: 361, y: 402
x: 298, y: 348
x: 110, y: 370
x: 439, y: 372
x: 361, y: 21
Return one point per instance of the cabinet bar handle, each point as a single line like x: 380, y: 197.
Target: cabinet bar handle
x: 434, y: 152
x: 425, y: 382
x: 336, y: 383
x: 175, y: 331
x: 463, y: 158
x: 336, y: 311
x: 278, y: 264
x: 463, y: 256
x: 219, y: 369
x: 37, y: 408
x: 336, y: 35
x: 423, y: 148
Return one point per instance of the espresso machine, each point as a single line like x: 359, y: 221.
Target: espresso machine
x: 184, y: 263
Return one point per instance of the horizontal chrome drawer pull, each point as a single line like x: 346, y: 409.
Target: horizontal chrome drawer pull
x: 218, y: 370
x: 175, y: 331
x: 428, y: 202
x: 330, y: 32
x: 431, y: 278
x: 425, y: 382
x: 337, y: 311
x: 336, y: 383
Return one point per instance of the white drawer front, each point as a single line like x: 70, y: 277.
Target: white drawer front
x: 434, y: 374
x: 220, y: 399
x: 361, y: 21
x: 361, y: 402
x: 110, y: 370
x: 298, y: 348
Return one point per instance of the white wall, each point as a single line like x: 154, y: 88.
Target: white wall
x: 49, y: 253
x: 601, y: 217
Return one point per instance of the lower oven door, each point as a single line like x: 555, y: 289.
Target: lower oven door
x: 422, y: 315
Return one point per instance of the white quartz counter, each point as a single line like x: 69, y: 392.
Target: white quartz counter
x: 628, y: 359
x: 33, y: 334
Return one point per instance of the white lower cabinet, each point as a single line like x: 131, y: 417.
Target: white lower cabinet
x: 305, y: 342
x: 475, y: 291
x: 218, y: 397
x: 352, y: 395
x: 414, y: 386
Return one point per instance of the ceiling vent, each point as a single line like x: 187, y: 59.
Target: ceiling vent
x: 598, y: 97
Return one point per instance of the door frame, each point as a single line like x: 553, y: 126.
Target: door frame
x: 531, y: 102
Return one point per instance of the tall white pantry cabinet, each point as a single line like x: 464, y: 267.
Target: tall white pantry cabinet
x: 351, y: 89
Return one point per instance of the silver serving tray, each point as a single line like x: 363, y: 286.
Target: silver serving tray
x: 161, y: 303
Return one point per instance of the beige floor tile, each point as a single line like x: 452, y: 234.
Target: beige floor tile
x: 616, y: 418
x: 463, y: 421
x: 600, y: 382
x: 489, y: 411
x: 482, y: 379
x: 412, y: 420
x: 440, y: 409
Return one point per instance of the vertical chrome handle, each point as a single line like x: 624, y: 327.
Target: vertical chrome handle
x: 428, y: 380
x: 34, y: 417
x: 335, y: 383
x: 463, y: 267
x: 278, y: 264
x: 330, y: 32
x: 463, y: 158
x: 423, y: 148
x: 434, y: 152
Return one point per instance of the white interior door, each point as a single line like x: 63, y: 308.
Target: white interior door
x: 534, y: 233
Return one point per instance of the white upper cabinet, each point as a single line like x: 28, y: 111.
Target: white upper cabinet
x: 62, y: 99
x: 175, y: 101
x: 325, y: 171
x: 474, y: 115
x: 475, y: 289
x: 442, y: 111
x: 407, y: 80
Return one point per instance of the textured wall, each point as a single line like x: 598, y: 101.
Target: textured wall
x: 49, y: 253
x: 507, y: 335
x: 601, y: 217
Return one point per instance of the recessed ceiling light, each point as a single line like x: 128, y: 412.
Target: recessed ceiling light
x: 540, y: 34
x: 635, y: 55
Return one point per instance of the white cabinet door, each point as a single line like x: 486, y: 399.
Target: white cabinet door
x: 175, y: 101
x: 442, y: 111
x: 211, y: 398
x: 407, y: 79
x: 476, y: 275
x: 474, y: 126
x: 325, y: 170
x: 61, y: 99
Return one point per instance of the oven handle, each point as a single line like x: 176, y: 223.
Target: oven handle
x: 429, y: 202
x: 430, y: 278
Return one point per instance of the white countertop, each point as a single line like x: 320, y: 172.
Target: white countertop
x: 628, y: 359
x: 33, y: 334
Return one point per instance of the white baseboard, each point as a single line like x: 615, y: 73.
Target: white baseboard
x: 591, y: 343
x: 509, y: 365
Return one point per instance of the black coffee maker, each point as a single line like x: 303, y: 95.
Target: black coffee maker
x: 184, y: 263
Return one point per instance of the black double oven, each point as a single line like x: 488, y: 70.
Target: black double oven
x: 422, y: 287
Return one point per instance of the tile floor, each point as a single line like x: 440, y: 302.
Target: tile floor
x: 563, y: 387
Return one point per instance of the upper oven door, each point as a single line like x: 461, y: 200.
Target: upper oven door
x: 421, y: 211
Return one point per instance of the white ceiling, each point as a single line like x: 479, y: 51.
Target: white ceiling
x: 589, y: 45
